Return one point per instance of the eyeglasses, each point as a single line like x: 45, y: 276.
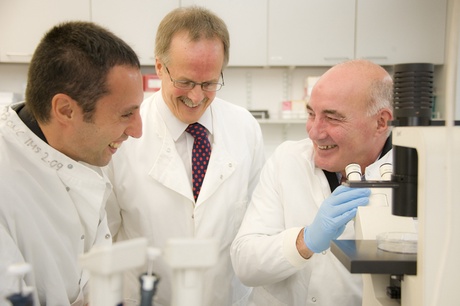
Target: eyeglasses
x: 189, y: 85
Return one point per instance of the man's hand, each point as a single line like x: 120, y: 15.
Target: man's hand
x: 333, y: 215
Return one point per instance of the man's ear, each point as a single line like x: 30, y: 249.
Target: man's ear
x: 383, y: 119
x: 158, y: 67
x: 63, y: 108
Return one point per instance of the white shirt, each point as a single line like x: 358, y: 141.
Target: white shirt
x: 182, y: 139
x: 264, y: 253
x: 155, y: 199
x: 51, y: 211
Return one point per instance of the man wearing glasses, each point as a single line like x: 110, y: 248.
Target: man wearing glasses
x: 159, y: 190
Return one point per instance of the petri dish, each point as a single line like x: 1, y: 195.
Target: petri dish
x: 398, y: 242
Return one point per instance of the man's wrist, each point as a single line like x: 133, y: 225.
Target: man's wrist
x: 302, y: 248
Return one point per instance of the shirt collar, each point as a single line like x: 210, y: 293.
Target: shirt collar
x: 29, y: 120
x: 175, y: 126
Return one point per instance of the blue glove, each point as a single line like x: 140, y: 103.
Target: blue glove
x: 333, y: 215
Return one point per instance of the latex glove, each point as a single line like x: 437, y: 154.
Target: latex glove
x: 333, y: 215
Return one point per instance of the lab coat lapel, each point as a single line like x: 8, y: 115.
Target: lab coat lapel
x: 221, y: 166
x: 88, y: 192
x: 169, y: 169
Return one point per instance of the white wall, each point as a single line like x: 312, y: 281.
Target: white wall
x: 448, y: 76
x: 13, y: 77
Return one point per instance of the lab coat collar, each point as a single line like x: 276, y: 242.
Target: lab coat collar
x: 372, y: 172
x: 168, y: 168
x: 86, y: 185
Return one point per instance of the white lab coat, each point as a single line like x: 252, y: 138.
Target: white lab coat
x: 264, y: 252
x: 51, y: 211
x: 156, y: 201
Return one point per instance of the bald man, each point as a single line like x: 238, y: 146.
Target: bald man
x: 298, y: 207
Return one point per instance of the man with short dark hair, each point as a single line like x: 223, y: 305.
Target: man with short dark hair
x: 83, y: 97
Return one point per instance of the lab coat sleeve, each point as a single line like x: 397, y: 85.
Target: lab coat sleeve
x: 9, y: 254
x: 264, y: 251
x: 258, y: 160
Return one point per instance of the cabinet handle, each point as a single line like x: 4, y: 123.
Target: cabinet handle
x: 375, y: 57
x: 18, y: 54
x: 276, y: 58
x: 337, y: 58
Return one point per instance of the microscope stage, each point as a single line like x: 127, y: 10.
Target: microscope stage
x: 363, y: 256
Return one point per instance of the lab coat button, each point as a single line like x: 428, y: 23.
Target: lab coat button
x: 313, y: 299
x: 69, y: 166
x: 107, y: 236
x: 168, y: 150
x: 82, y: 237
x: 324, y: 252
x: 230, y: 165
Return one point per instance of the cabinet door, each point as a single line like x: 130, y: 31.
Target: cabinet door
x: 135, y: 21
x: 247, y: 24
x: 401, y: 31
x: 310, y: 32
x: 24, y: 22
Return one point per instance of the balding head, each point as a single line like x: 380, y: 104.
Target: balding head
x: 349, y: 110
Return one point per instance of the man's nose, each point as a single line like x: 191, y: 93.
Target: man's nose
x: 196, y: 94
x: 316, y: 128
x: 135, y: 128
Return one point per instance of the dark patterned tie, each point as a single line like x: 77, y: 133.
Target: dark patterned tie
x: 200, y: 156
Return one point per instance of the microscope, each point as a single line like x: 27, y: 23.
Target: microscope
x: 425, y: 271
x: 188, y: 259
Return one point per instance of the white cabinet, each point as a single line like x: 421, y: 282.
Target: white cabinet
x: 262, y: 32
x: 401, y: 31
x: 322, y: 33
x: 24, y: 22
x: 135, y: 21
x: 247, y: 24
x: 310, y: 32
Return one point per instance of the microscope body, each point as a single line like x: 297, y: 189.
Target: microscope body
x: 370, y: 221
x: 438, y: 248
x: 106, y: 265
x: 425, y: 160
x: 377, y: 218
x: 423, y: 187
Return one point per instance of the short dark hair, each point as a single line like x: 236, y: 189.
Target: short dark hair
x: 74, y: 58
